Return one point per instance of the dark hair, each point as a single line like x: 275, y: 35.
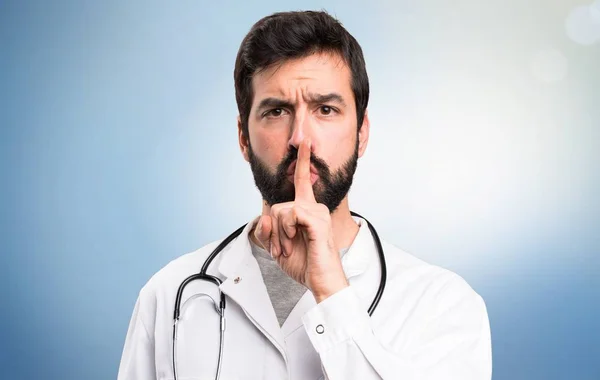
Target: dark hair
x: 288, y: 35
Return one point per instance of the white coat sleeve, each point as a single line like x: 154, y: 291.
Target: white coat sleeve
x: 137, y: 360
x: 454, y: 342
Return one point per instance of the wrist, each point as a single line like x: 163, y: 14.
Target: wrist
x: 330, y: 288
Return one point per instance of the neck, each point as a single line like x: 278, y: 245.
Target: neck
x: 344, y: 227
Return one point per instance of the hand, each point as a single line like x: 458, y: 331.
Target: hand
x: 299, y: 236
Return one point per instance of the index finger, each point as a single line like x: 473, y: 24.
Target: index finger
x: 302, y: 183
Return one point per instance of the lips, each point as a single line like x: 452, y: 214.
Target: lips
x: 292, y: 169
x: 313, y: 178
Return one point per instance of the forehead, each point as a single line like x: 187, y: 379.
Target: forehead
x: 319, y: 73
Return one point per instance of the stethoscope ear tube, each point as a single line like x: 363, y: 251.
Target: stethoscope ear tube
x: 220, y: 247
x: 382, y: 265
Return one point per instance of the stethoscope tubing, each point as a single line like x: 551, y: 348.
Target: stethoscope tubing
x: 202, y: 275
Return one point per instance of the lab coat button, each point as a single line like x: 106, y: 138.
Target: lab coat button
x: 237, y: 280
x: 320, y: 329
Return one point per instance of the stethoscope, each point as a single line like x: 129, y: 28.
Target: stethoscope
x: 220, y: 308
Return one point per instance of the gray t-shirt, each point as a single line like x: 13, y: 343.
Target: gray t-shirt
x: 284, y: 291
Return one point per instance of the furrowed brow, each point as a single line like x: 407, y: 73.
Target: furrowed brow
x: 328, y: 98
x: 273, y: 103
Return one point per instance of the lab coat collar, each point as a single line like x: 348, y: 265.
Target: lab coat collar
x: 233, y: 254
x: 357, y: 259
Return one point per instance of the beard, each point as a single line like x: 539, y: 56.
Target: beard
x: 329, y: 189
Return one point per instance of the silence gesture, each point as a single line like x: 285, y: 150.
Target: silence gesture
x: 299, y: 235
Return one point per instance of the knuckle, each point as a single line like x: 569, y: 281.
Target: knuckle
x: 296, y: 209
x: 275, y: 209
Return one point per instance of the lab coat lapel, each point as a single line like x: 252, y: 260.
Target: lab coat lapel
x: 245, y: 286
x: 355, y: 262
x: 294, y: 319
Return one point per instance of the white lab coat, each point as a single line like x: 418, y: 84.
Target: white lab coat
x: 429, y: 325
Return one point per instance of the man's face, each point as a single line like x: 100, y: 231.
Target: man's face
x: 306, y: 98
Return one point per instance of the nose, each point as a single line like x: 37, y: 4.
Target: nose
x: 301, y: 129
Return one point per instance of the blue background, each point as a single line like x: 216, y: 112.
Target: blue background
x: 118, y: 153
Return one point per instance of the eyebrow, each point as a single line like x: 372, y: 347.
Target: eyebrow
x: 312, y: 98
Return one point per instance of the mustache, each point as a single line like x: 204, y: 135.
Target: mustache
x: 319, y: 164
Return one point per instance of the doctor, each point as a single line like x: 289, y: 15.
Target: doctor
x: 300, y: 277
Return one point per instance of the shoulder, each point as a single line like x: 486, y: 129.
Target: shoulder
x: 432, y: 313
x: 164, y: 283
x: 426, y: 283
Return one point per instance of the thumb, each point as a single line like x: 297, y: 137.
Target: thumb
x: 263, y: 232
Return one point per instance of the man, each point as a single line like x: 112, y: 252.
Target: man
x: 299, y: 279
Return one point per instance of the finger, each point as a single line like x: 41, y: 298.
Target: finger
x: 287, y: 231
x: 307, y: 223
x: 288, y: 222
x: 284, y: 241
x: 275, y: 247
x: 302, y: 183
x: 273, y: 243
x: 263, y: 231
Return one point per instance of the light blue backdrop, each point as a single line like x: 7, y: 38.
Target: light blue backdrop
x: 119, y: 153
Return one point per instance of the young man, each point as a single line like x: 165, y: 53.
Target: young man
x: 299, y: 279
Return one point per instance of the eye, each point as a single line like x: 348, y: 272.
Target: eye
x: 275, y: 112
x: 326, y: 110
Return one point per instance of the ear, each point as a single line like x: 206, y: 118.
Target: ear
x: 243, y: 140
x: 363, y: 134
